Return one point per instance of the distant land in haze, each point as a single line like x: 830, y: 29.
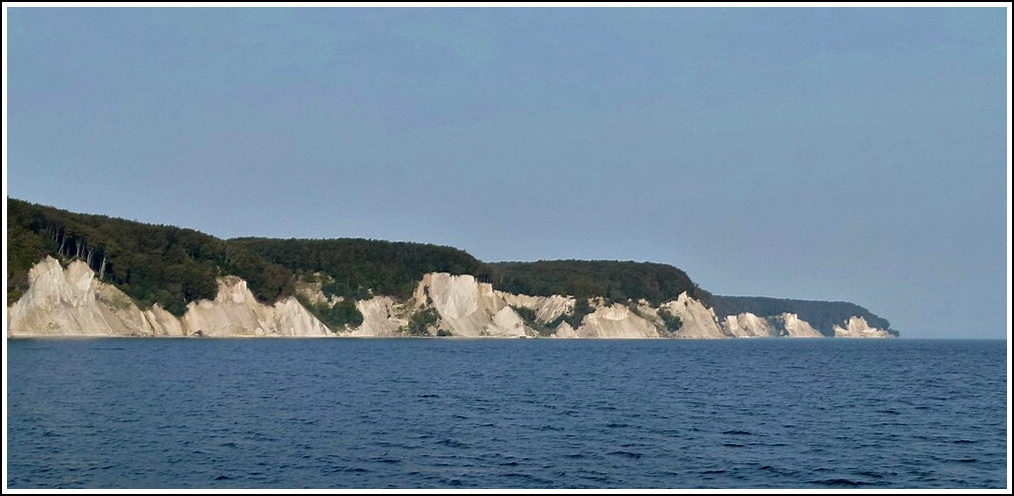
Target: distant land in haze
x: 76, y: 274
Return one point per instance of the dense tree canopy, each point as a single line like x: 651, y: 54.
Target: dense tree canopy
x: 151, y: 263
x: 356, y: 267
x: 173, y: 266
x: 616, y: 281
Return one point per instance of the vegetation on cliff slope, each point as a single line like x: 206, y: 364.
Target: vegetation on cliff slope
x: 360, y: 266
x: 615, y: 281
x: 173, y: 266
x: 150, y: 263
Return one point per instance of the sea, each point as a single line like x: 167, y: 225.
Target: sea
x: 449, y: 413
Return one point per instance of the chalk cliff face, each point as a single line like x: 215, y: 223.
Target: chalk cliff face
x: 699, y: 321
x: 616, y: 321
x: 469, y: 308
x: 382, y: 317
x: 856, y: 327
x: 71, y: 302
x: 546, y: 308
x: 795, y: 327
x: 748, y: 325
x: 235, y: 312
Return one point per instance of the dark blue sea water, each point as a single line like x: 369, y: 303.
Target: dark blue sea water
x: 456, y: 413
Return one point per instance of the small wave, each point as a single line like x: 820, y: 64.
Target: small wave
x: 838, y: 482
x: 732, y: 445
x: 452, y: 443
x: 628, y: 454
x: 354, y: 470
x: 223, y: 477
x: 738, y: 433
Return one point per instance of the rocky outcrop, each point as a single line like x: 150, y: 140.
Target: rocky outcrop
x: 72, y: 302
x: 235, y: 312
x: 748, y: 325
x: 546, y: 308
x: 466, y: 307
x: 856, y: 327
x: 162, y: 323
x: 699, y: 321
x: 795, y: 327
x: 382, y: 317
x: 616, y: 321
x: 313, y: 291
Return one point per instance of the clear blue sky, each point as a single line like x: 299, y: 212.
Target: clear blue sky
x: 816, y: 153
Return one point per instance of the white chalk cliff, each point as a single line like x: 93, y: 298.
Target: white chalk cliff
x: 236, y: 312
x: 72, y: 302
x: 468, y: 308
x: 856, y: 327
x: 382, y: 317
x: 748, y: 325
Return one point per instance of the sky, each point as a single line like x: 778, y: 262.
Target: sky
x: 841, y: 154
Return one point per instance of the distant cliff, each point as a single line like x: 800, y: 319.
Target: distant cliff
x: 829, y: 318
x: 124, y: 278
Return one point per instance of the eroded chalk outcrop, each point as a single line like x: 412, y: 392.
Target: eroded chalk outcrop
x: 699, y: 321
x: 71, y: 302
x: 748, y: 325
x: 382, y: 317
x: 856, y: 327
x: 236, y: 312
x: 466, y: 307
x: 618, y: 322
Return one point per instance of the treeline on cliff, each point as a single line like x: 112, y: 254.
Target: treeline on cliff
x: 354, y: 268
x: 822, y: 315
x: 172, y: 266
x: 151, y: 263
x: 615, y: 280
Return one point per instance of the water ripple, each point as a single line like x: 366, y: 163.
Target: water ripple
x: 505, y: 413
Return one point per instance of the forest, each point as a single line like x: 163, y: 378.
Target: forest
x: 174, y: 266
